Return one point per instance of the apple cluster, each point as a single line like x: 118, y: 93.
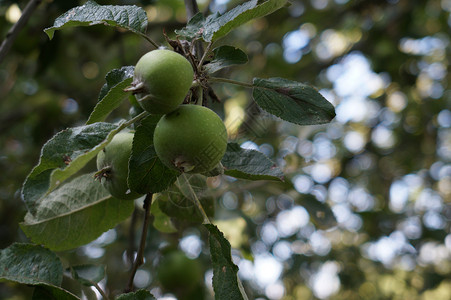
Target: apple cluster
x: 188, y: 138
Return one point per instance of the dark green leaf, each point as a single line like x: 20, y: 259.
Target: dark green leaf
x: 162, y: 222
x: 216, y: 25
x: 30, y: 264
x: 129, y: 17
x: 226, y: 283
x: 138, y: 295
x: 178, y: 201
x: 249, y: 164
x: 147, y: 174
x: 75, y: 214
x: 292, y: 101
x: 112, y: 93
x: 88, y: 275
x: 322, y: 215
x: 62, y: 156
x: 224, y: 57
x: 43, y: 292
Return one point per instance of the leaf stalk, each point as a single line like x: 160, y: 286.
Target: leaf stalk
x: 231, y: 81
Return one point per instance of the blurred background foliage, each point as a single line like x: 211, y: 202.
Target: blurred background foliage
x: 383, y: 165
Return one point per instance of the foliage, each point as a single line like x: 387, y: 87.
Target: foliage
x: 355, y: 209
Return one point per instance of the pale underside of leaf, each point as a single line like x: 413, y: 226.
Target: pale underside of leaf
x: 30, y: 264
x: 75, y: 214
x: 129, y: 17
x: 216, y: 26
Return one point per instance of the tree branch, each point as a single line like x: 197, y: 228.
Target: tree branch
x: 15, y: 29
x: 191, y: 10
x: 139, y: 260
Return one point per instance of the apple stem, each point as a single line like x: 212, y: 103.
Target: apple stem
x: 196, y: 200
x: 200, y: 96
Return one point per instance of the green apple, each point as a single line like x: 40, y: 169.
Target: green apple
x: 162, y: 79
x: 178, y: 273
x: 112, y: 163
x: 191, y: 139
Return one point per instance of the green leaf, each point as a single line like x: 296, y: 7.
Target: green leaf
x: 162, y: 222
x: 62, y: 156
x: 249, y: 164
x: 226, y: 283
x: 75, y: 214
x: 292, y: 101
x: 178, y: 201
x: 30, y: 264
x: 217, y: 26
x: 88, y: 275
x: 193, y: 28
x: 224, y: 57
x: 129, y: 17
x: 138, y: 295
x: 322, y: 215
x: 147, y: 174
x: 112, y: 93
x: 42, y: 292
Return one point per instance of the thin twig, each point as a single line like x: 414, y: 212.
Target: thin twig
x: 102, y: 292
x: 15, y: 29
x: 139, y: 260
x: 201, y: 62
x: 226, y: 80
x: 131, y: 237
x: 149, y: 40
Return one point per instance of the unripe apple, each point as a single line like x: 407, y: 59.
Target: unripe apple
x: 162, y: 79
x: 178, y: 273
x: 112, y: 163
x: 191, y: 139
